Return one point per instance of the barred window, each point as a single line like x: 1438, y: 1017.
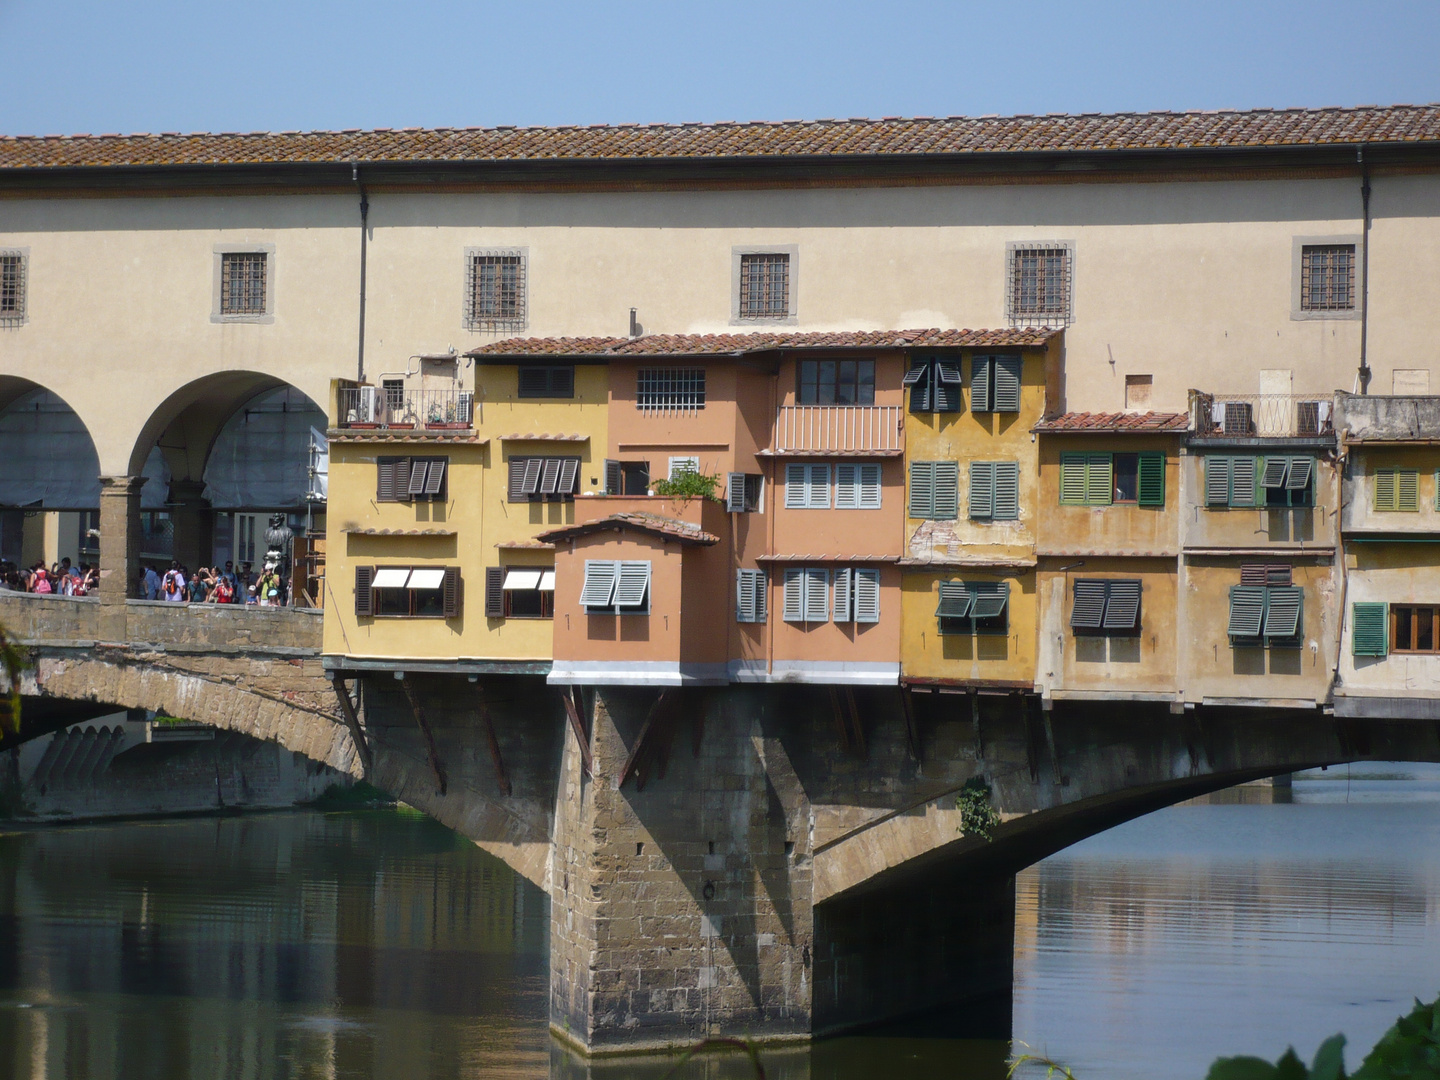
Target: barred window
x: 242, y: 282
x: 12, y: 288
x: 670, y: 389
x: 764, y: 286
x: 1039, y: 287
x: 495, y: 290
x: 1327, y: 277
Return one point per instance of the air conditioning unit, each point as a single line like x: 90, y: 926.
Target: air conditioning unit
x: 1239, y: 418
x: 364, y: 410
x: 465, y: 408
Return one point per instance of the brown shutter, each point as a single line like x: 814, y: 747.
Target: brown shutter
x: 450, y: 592
x: 385, y: 479
x: 364, y: 598
x: 494, y: 592
x: 613, y: 477
x: 1252, y: 574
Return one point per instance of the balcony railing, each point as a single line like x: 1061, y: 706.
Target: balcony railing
x: 383, y: 407
x: 839, y: 429
x: 1261, y: 415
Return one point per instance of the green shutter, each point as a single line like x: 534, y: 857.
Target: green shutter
x: 1282, y: 611
x: 1247, y: 611
x: 1385, y: 489
x: 947, y: 490
x: 1099, y: 480
x: 1007, y: 383
x: 1152, y: 479
x: 980, y: 368
x: 922, y: 489
x: 982, y: 489
x: 1407, y: 490
x: 1369, y: 630
x: 1275, y: 471
x: 1242, y: 481
x: 1217, y: 480
x: 1437, y: 489
x: 1072, y: 479
x: 1007, y: 491
x: 1087, y: 610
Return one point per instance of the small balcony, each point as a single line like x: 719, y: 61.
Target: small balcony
x: 820, y: 430
x: 1261, y: 416
x: 395, y: 409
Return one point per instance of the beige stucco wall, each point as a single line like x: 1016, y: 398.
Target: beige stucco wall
x: 1389, y: 574
x: 1259, y: 527
x: 1185, y: 281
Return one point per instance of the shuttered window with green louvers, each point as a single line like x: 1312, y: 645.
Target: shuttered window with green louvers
x: 1229, y: 481
x: 934, y: 385
x: 934, y: 490
x: 1106, y: 607
x: 1266, y: 615
x: 1397, y: 490
x: 1369, y: 630
x: 995, y: 384
x: 994, y: 490
x: 1086, y: 479
x: 973, y: 607
x: 1152, y: 479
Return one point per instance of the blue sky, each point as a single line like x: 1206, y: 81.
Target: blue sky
x: 162, y: 65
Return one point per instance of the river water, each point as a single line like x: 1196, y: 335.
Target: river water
x: 378, y: 944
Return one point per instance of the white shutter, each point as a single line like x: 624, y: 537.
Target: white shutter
x: 762, y: 595
x: 869, y: 487
x: 796, y: 497
x: 418, y: 472
x: 847, y: 487
x: 867, y: 596
x: 632, y: 584
x: 744, y: 596
x: 531, y: 478
x: 549, y: 476
x: 685, y: 464
x: 817, y: 594
x: 599, y: 588
x: 794, y: 595
x: 569, y: 469
x: 436, y: 477
x: 842, y: 594
x: 818, y: 486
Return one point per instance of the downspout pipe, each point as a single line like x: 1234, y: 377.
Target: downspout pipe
x: 1364, y: 270
x: 364, y: 238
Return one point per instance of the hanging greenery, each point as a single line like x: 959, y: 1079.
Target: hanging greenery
x: 977, y: 813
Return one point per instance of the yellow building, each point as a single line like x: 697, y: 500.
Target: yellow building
x: 969, y: 610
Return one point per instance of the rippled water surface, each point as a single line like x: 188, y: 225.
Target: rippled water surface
x: 379, y: 945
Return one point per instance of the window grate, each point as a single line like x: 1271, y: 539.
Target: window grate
x: 242, y: 283
x: 670, y: 390
x: 12, y: 288
x: 495, y: 293
x: 1040, y: 279
x: 1327, y: 277
x: 764, y: 286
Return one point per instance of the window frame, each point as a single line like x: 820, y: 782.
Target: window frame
x: 674, y: 383
x: 864, y: 388
x: 516, y: 493
x: 1107, y: 593
x: 615, y: 607
x: 986, y: 477
x: 812, y: 594
x: 807, y: 493
x: 449, y: 608
x: 403, y: 481
x: 1395, y: 476
x: 501, y: 320
x: 752, y: 588
x: 1017, y: 312
x: 935, y: 384
x: 266, y: 313
x: 741, y: 256
x: 985, y: 388
x: 1266, y: 594
x: 19, y: 259
x: 866, y: 489
x: 547, y: 596
x: 930, y: 511
x: 1393, y: 628
x: 1298, y: 284
x: 997, y: 625
x: 744, y: 492
x: 846, y: 599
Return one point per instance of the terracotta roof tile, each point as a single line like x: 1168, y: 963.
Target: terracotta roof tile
x: 1115, y: 423
x: 667, y: 528
x: 733, y: 344
x: 817, y: 138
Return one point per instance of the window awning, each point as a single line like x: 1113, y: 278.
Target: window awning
x: 427, y: 579
x: 523, y: 579
x: 390, y: 577
x: 547, y: 581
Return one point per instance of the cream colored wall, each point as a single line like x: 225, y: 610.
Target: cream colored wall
x: 967, y: 658
x: 1188, y: 282
x: 1358, y: 509
x: 1259, y: 526
x: 1389, y: 574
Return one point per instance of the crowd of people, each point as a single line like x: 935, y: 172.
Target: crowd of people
x: 60, y: 579
x: 212, y: 585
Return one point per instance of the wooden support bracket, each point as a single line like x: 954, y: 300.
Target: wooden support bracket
x: 847, y: 719
x: 975, y: 726
x: 352, y: 721
x: 435, y: 766
x: 912, y: 730
x: 578, y: 726
x: 652, y: 736
x: 502, y: 778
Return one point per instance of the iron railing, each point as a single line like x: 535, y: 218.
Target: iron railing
x: 1261, y: 415
x: 839, y: 428
x: 393, y: 407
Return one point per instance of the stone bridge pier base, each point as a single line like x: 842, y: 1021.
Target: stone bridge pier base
x: 119, y: 550
x: 680, y: 908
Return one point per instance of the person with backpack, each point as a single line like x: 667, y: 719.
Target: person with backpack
x: 174, y: 585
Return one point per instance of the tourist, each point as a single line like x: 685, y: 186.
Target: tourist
x: 40, y: 580
x: 150, y: 584
x: 174, y: 586
x: 268, y: 588
x: 199, y: 587
x: 231, y: 583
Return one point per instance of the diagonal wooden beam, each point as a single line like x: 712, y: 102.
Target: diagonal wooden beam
x: 352, y: 721
x: 912, y: 730
x: 655, y: 712
x: 852, y: 711
x: 578, y: 726
x: 501, y: 776
x: 435, y: 766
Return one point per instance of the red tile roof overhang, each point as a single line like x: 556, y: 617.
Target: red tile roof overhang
x: 1082, y: 423
x: 664, y: 528
x: 765, y: 153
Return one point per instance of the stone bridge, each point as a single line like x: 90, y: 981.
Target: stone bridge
x: 778, y: 862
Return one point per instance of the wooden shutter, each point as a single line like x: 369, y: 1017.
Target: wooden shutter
x: 494, y: 592
x: 549, y: 476
x: 1282, y: 612
x: 1242, y: 481
x: 419, y: 473
x: 1151, y: 470
x: 847, y: 487
x: 1369, y: 629
x: 1072, y: 479
x: 1099, y: 480
x: 1385, y: 489
x: 990, y: 598
x: 843, y: 577
x: 1007, y: 491
x: 947, y: 490
x: 794, y: 610
x: 632, y: 583
x: 955, y: 601
x: 534, y: 382
x: 817, y: 594
x: 569, y: 474
x: 516, y: 489
x: 750, y: 596
x: 1253, y: 574
x: 870, y: 489
x: 562, y: 381
x: 867, y: 595
x: 1277, y: 574
x: 947, y: 386
x: 1087, y: 611
x: 1407, y: 490
x: 918, y: 379
x: 761, y: 580
x: 450, y: 592
x: 922, y: 489
x: 1273, y: 477
x: 614, y: 477
x: 982, y: 489
x: 364, y: 595
x: 980, y: 383
x: 1298, y: 478
x: 1122, y: 608
x: 1217, y: 480
x: 1247, y: 610
x: 530, y: 477
x: 599, y: 588
x: 735, y: 492
x: 818, y: 487
x: 796, y: 496
x: 435, y: 478
x: 1007, y: 383
x: 392, y: 474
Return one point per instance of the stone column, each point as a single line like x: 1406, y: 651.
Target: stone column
x: 193, y: 523
x: 119, y: 550
x: 682, y: 910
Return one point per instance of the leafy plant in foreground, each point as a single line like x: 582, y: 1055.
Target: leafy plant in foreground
x: 12, y: 663
x: 977, y: 814
x: 688, y: 485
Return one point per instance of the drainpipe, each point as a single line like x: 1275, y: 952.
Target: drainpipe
x: 364, y: 234
x: 1364, y: 269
